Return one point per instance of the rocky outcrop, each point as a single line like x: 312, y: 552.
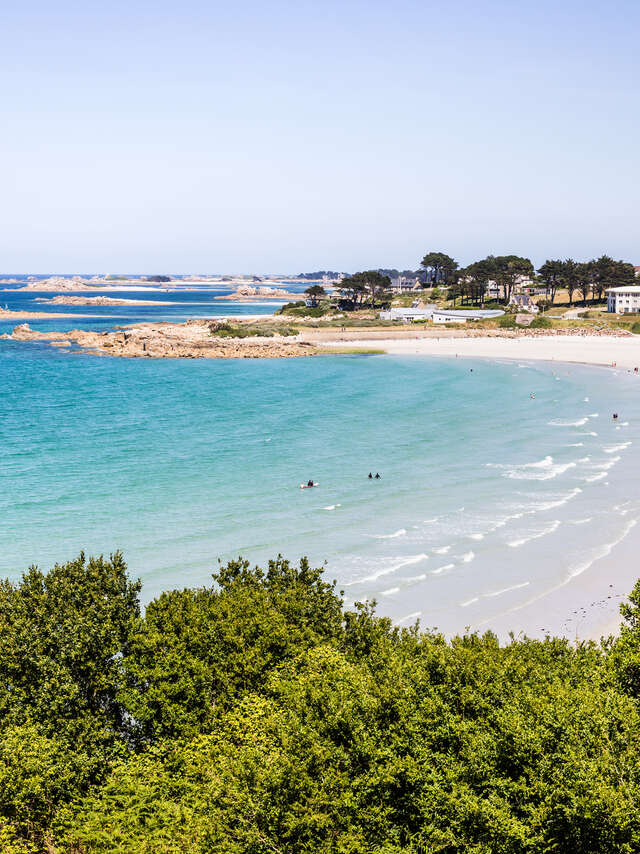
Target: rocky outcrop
x: 190, y: 340
x: 248, y: 292
x: 63, y: 299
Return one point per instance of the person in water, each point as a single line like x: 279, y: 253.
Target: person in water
x: 370, y: 476
x: 309, y: 483
x: 615, y: 416
x: 377, y: 476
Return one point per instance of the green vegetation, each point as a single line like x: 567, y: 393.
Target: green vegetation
x: 249, y: 330
x: 541, y: 322
x: 258, y: 715
x: 507, y: 321
x: 636, y: 328
x: 299, y: 309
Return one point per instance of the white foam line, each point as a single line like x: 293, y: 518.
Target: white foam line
x: 603, y: 551
x: 442, y: 550
x: 390, y: 591
x: 507, y: 589
x: 613, y: 449
x: 332, y: 506
x: 442, y: 568
x: 413, y: 616
x: 476, y: 536
x: 374, y: 576
x: 467, y: 557
x: 577, y: 423
x: 399, y: 533
x: 469, y: 602
x: 514, y: 544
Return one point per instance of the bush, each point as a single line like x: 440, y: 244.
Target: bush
x: 636, y: 328
x: 541, y: 322
x: 507, y: 321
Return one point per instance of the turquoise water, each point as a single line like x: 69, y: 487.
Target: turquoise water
x: 488, y: 497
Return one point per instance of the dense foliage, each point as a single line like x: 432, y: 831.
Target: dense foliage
x: 258, y: 715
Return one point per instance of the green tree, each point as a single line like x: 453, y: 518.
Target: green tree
x: 198, y: 651
x: 369, y: 283
x: 551, y: 273
x: 570, y: 277
x: 316, y: 291
x: 440, y: 268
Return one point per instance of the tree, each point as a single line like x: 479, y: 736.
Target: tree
x: 551, y: 272
x: 570, y: 277
x: 509, y: 270
x: 475, y: 278
x: 440, y: 268
x: 586, y: 275
x: 316, y: 291
x: 369, y: 283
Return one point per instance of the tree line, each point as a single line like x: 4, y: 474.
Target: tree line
x: 259, y: 715
x: 589, y: 279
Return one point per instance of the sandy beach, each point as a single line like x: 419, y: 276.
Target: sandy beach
x: 619, y: 351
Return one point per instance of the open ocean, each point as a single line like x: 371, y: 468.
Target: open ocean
x: 488, y: 498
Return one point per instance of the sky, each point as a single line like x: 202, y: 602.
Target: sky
x: 288, y: 136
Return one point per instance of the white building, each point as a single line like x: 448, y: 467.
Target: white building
x: 624, y: 300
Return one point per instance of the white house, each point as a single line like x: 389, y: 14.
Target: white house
x: 524, y: 302
x: 624, y: 300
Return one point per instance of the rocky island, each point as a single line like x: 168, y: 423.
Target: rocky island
x: 195, y: 339
x: 68, y: 299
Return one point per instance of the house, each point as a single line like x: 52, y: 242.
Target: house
x: 624, y: 300
x: 407, y: 315
x: 432, y: 312
x: 404, y: 283
x: 523, y: 302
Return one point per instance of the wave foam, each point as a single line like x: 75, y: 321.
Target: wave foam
x: 442, y: 550
x: 332, y: 506
x: 613, y: 449
x: 400, y: 533
x: 515, y: 544
x: 601, y: 552
x: 577, y: 423
x: 442, y: 568
x: 507, y: 589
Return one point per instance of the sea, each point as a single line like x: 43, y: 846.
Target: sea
x: 500, y: 481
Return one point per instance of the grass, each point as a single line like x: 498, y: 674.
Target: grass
x: 253, y: 330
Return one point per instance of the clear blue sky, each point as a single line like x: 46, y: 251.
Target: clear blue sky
x: 285, y: 136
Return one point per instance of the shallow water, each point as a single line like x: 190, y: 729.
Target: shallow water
x: 488, y: 498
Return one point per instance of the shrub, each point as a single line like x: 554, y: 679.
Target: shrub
x: 541, y: 322
x: 507, y: 321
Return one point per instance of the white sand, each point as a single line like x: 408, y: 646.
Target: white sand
x: 587, y: 349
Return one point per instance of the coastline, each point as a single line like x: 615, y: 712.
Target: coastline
x: 622, y: 352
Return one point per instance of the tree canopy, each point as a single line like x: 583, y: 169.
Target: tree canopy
x: 258, y: 715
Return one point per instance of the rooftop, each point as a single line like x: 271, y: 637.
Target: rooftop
x: 625, y: 289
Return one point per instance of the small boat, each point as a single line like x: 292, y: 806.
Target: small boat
x: 308, y: 485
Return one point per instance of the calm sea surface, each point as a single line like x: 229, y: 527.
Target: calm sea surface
x: 487, y: 497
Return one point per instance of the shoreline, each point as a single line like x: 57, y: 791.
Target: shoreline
x: 610, y: 351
